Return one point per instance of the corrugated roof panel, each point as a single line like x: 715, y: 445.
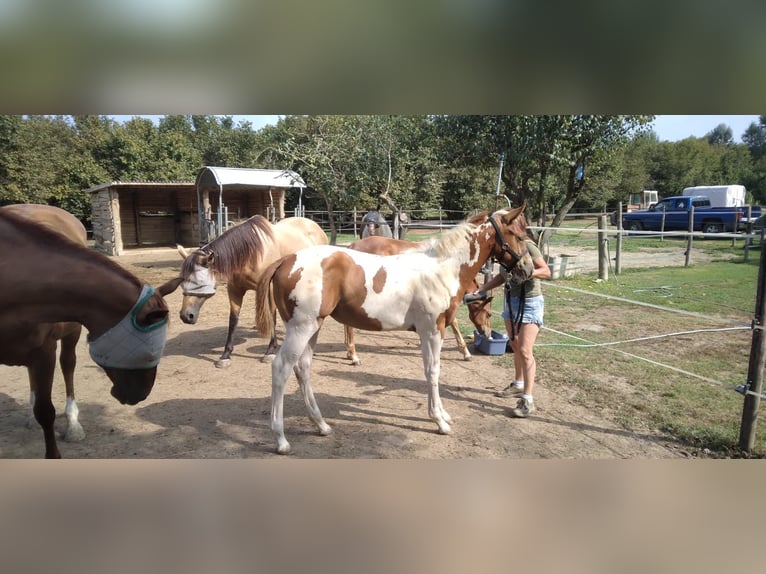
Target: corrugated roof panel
x: 232, y: 176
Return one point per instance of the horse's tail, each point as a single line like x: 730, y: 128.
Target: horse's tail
x: 265, y: 306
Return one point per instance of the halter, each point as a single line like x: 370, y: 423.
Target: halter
x: 129, y: 345
x: 505, y: 248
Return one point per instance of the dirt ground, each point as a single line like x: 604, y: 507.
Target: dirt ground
x: 376, y: 410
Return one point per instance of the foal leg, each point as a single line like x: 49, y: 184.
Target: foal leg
x: 460, y: 341
x: 271, y: 350
x: 351, y: 346
x: 67, y: 362
x: 41, y: 381
x: 303, y: 373
x: 431, y: 345
x: 285, y: 361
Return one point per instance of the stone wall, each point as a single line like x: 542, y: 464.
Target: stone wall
x: 105, y: 206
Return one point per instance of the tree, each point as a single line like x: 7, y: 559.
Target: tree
x: 720, y: 135
x: 755, y: 138
x: 221, y: 143
x: 405, y: 173
x: 325, y: 150
x: 548, y: 159
x: 9, y: 143
x: 695, y: 161
x: 634, y: 166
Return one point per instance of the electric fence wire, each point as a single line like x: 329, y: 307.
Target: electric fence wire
x: 585, y: 343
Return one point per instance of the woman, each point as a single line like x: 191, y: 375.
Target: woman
x: 524, y: 336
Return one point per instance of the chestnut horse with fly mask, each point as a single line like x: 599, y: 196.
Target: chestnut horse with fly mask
x: 478, y: 311
x: 49, y: 279
x: 240, y: 254
x: 417, y: 290
x: 68, y: 333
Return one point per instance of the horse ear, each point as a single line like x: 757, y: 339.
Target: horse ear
x: 154, y: 311
x: 514, y: 213
x: 170, y: 286
x: 182, y: 251
x: 152, y: 317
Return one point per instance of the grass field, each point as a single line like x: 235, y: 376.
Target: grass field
x: 662, y: 348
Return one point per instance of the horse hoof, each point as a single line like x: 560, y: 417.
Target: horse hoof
x: 223, y: 363
x: 74, y: 434
x: 283, y: 448
x: 267, y: 358
x: 356, y: 363
x: 467, y: 357
x: 444, y: 428
x: 324, y: 429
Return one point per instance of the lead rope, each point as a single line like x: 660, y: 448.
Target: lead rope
x: 515, y: 324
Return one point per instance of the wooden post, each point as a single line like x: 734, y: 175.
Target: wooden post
x: 603, y: 257
x: 748, y: 231
x: 137, y: 218
x: 618, y: 248
x: 690, y: 239
x: 756, y: 364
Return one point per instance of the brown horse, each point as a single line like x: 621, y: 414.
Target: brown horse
x: 48, y: 278
x: 478, y: 312
x: 240, y: 254
x: 68, y: 333
x: 417, y: 290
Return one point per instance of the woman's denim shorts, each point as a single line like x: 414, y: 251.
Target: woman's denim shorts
x: 534, y: 309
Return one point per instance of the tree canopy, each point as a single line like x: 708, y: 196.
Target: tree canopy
x: 555, y: 163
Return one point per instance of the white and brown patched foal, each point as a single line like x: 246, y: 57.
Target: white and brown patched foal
x: 478, y: 311
x: 417, y: 290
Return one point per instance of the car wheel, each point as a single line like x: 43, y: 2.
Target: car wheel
x: 635, y: 226
x: 712, y: 227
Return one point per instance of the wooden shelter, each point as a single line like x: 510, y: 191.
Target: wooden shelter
x: 147, y: 214
x: 241, y: 193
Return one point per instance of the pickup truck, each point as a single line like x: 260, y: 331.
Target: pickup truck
x: 707, y: 219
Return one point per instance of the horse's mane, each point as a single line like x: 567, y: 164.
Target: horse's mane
x: 451, y: 240
x: 39, y: 233
x: 236, y: 246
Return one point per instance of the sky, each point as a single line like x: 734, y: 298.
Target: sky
x: 675, y: 128
x: 667, y: 128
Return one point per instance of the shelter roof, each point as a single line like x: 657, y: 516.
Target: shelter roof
x: 137, y: 184
x: 245, y: 177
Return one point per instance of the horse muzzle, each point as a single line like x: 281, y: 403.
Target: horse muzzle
x: 522, y: 271
x: 191, y: 307
x: 131, y: 386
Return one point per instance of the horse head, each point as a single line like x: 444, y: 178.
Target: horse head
x: 197, y: 282
x: 130, y: 351
x: 510, y: 248
x: 480, y: 314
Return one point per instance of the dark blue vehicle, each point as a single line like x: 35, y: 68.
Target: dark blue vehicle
x: 707, y: 219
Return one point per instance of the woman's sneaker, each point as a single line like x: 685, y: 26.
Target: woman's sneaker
x: 510, y: 391
x: 523, y: 409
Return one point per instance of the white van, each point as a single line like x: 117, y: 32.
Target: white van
x: 720, y: 195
